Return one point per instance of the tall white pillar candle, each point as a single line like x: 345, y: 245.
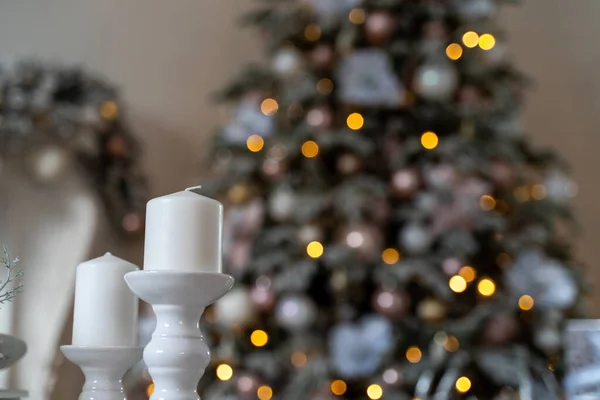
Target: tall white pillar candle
x: 184, y: 233
x: 106, y: 310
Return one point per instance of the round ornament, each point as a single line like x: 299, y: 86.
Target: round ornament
x: 322, y: 56
x: 503, y: 174
x: 295, y: 312
x: 48, y: 164
x: 405, y: 182
x: 282, y: 203
x: 262, y: 297
x: 431, y: 310
x: 273, y: 169
x: 236, y: 308
x: 133, y: 222
x: 348, y: 164
x: 287, y: 61
x: 391, y: 303
x: 246, y: 386
x: 393, y: 376
x: 436, y: 81
x: 379, y: 27
x: 367, y: 239
x: 320, y: 117
x: 451, y: 266
x: 415, y: 239
x: 548, y: 339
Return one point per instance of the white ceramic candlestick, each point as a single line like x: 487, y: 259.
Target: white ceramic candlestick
x: 103, y: 368
x: 177, y: 354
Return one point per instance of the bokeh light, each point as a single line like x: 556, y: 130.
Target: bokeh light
x: 374, y: 392
x: 413, y: 354
x: 355, y: 121
x: 314, y: 249
x: 150, y: 389
x: 390, y: 256
x: 454, y: 51
x: 310, y: 149
x: 264, y: 393
x: 458, y: 284
x: 325, y: 86
x: 487, y: 202
x: 526, y: 302
x: 470, y: 39
x: 109, y: 110
x: 487, y: 41
x: 224, y: 372
x: 338, y: 387
x: 255, y: 143
x: 452, y: 344
x: 269, y: 106
x: 357, y: 16
x: 312, y: 33
x: 299, y: 359
x: 538, y: 192
x: 259, y: 338
x: 463, y: 384
x: 486, y: 287
x: 429, y: 140
x: 468, y: 273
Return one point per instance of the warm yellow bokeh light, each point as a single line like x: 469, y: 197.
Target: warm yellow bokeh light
x: 486, y: 287
x: 429, y: 140
x: 312, y: 33
x: 374, y: 392
x: 452, y: 344
x: 325, y: 86
x: 299, y: 359
x: 255, y: 143
x: 413, y: 354
x: 487, y: 202
x: 463, y: 384
x: 310, y: 149
x: 357, y: 16
x: 390, y: 256
x: 355, y: 121
x: 468, y: 273
x: 538, y: 192
x: 264, y: 393
x: 224, y: 372
x: 314, y: 249
x: 458, y: 284
x: 487, y: 41
x: 259, y: 338
x: 454, y: 51
x: 150, y: 389
x: 521, y: 194
x: 338, y: 387
x: 470, y: 39
x: 109, y: 110
x: 269, y: 106
x: 526, y: 302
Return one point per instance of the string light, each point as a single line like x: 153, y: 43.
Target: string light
x: 468, y: 273
x: 463, y: 384
x: 312, y: 33
x: 390, y: 256
x: 150, y: 389
x: 526, y: 302
x: 109, y: 110
x: 355, y: 121
x: 487, y: 202
x: 264, y: 392
x: 413, y: 354
x: 452, y: 344
x: 338, y: 387
x: 255, y: 143
x: 299, y: 359
x: 538, y: 192
x: 325, y: 86
x: 486, y: 287
x: 259, y: 338
x: 454, y: 51
x: 374, y: 392
x: 310, y: 149
x: 429, y: 140
x: 487, y: 41
x: 357, y: 16
x: 458, y: 284
x: 269, y: 106
x: 314, y: 249
x: 470, y: 39
x: 224, y: 372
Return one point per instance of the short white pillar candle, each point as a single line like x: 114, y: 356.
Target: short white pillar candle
x: 184, y: 233
x: 106, y: 311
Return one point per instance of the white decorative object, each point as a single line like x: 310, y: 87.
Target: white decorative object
x: 236, y: 308
x: 181, y: 278
x: 184, y: 233
x: 177, y: 354
x: 103, y: 368
x: 105, y: 309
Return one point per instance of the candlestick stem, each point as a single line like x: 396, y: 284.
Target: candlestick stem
x: 177, y: 355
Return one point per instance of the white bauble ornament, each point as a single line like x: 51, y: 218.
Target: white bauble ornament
x: 415, y: 239
x: 559, y: 187
x: 235, y: 308
x: 287, y: 61
x: 282, y: 203
x: 435, y: 81
x: 547, y: 339
x: 49, y: 164
x: 295, y: 312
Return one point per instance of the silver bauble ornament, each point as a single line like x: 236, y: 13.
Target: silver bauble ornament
x: 435, y: 81
x: 49, y: 164
x: 548, y: 339
x: 282, y: 203
x: 415, y: 239
x: 287, y: 61
x: 236, y: 308
x: 295, y: 312
x: 405, y: 182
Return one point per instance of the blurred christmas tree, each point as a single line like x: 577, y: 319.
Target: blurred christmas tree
x: 393, y: 232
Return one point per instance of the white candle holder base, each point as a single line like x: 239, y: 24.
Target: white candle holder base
x: 103, y: 368
x: 177, y: 355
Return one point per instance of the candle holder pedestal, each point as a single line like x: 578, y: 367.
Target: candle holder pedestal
x: 103, y: 368
x: 177, y: 355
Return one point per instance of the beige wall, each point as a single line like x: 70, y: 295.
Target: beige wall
x: 168, y: 55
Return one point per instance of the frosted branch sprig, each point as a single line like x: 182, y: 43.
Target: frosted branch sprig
x: 13, y: 274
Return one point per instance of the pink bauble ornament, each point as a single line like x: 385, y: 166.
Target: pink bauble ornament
x: 320, y: 117
x: 405, y: 182
x: 133, y: 222
x: 500, y: 329
x: 273, y: 169
x: 503, y: 174
x: 252, y: 218
x: 322, y: 56
x: 238, y: 254
x: 392, y: 303
x: 379, y: 27
x: 262, y: 297
x: 451, y: 266
x: 393, y: 376
x: 246, y: 385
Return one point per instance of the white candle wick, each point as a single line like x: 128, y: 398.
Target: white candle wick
x: 194, y: 189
